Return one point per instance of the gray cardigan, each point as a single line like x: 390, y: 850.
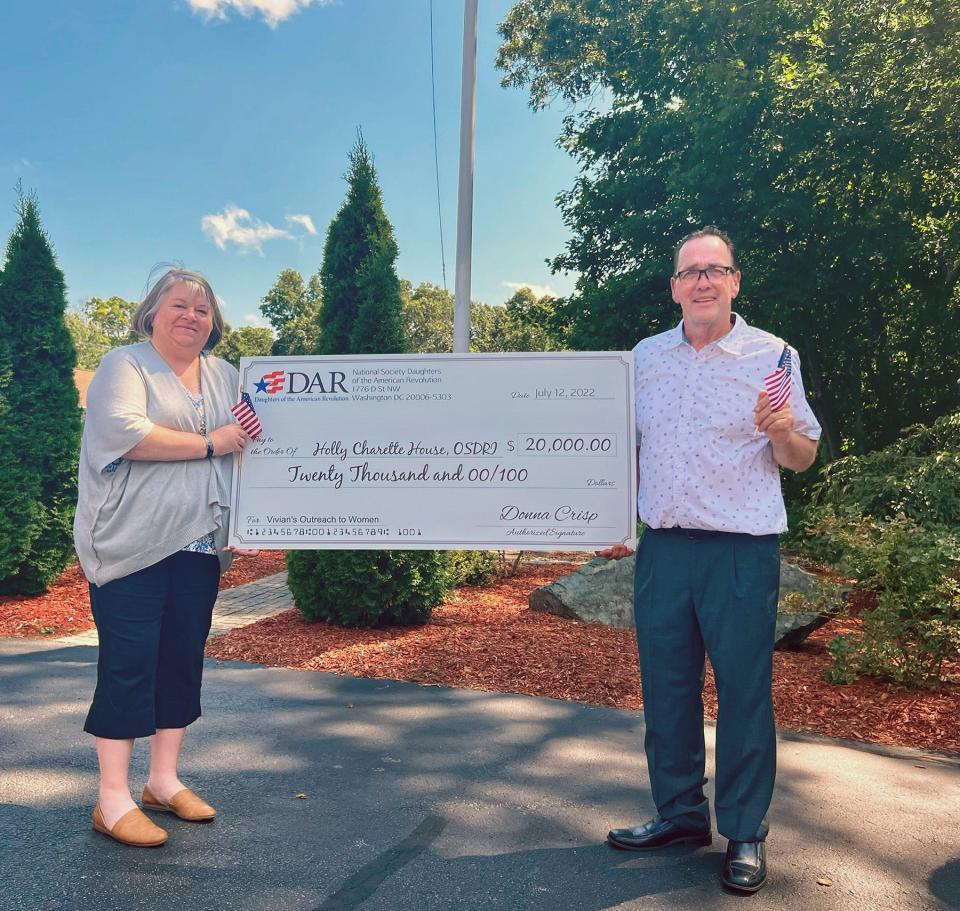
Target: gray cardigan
x: 144, y: 511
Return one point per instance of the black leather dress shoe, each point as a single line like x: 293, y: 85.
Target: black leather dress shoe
x: 658, y: 833
x: 745, y: 866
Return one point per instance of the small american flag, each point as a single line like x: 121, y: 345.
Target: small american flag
x: 778, y: 383
x: 246, y: 416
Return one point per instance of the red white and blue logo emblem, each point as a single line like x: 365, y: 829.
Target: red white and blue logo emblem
x: 298, y: 383
x: 271, y: 383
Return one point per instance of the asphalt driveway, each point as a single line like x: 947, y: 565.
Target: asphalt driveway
x: 421, y: 798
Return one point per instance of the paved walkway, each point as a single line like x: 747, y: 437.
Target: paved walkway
x: 235, y: 607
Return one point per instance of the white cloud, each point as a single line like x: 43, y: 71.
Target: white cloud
x: 237, y: 227
x: 305, y: 222
x: 254, y: 319
x: 539, y: 290
x: 20, y: 167
x: 273, y: 12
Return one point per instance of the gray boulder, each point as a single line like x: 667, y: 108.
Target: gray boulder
x: 601, y: 591
x: 793, y: 628
x: 794, y: 579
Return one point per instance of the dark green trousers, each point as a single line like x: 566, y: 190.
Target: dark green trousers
x: 700, y: 593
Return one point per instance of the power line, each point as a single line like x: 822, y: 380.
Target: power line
x: 436, y: 149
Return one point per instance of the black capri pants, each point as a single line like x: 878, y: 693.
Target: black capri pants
x: 152, y: 625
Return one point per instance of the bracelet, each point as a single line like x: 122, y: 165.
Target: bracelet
x: 209, y: 442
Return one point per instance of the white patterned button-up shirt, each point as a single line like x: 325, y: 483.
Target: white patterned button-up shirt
x: 702, y: 465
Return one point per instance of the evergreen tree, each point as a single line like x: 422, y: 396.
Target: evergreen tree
x: 362, y: 307
x: 362, y: 313
x: 39, y: 414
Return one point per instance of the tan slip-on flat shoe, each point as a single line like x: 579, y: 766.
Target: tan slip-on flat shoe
x: 184, y: 804
x: 133, y: 828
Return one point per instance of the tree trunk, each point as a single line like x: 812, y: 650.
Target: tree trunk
x: 822, y: 404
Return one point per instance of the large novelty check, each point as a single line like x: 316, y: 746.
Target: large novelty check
x: 455, y: 451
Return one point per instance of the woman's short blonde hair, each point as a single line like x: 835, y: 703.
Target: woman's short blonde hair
x: 142, y: 319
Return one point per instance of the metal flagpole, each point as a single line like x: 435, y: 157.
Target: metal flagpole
x: 468, y: 108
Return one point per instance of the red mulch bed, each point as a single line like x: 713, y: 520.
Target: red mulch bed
x: 488, y: 639
x: 65, y: 608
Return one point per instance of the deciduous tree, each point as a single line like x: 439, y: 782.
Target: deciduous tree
x: 247, y: 341
x: 100, y: 325
x: 293, y: 310
x: 427, y: 317
x: 524, y: 323
x: 823, y: 135
x: 532, y: 323
x: 111, y: 317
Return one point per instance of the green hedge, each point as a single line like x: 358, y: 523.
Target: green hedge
x: 368, y: 587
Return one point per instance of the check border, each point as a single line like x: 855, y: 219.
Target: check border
x: 625, y: 359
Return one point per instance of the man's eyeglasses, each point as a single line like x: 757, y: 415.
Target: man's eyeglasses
x: 713, y: 274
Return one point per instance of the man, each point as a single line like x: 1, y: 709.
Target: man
x: 707, y: 567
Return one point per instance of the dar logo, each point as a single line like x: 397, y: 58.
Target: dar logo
x: 271, y: 383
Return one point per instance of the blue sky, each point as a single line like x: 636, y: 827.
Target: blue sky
x: 203, y: 131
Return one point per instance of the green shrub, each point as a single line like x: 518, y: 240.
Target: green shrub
x: 823, y: 598
x: 472, y: 567
x: 368, y: 587
x: 891, y: 519
x: 844, y: 652
x: 918, y: 477
x: 915, y: 571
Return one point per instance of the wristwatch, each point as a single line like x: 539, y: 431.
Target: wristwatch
x: 209, y: 454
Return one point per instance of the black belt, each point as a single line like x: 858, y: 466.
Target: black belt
x: 697, y: 533
x: 691, y: 532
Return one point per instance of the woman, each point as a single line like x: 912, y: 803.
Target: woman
x: 150, y: 532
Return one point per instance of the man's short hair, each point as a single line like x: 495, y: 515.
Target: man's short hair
x: 706, y: 231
